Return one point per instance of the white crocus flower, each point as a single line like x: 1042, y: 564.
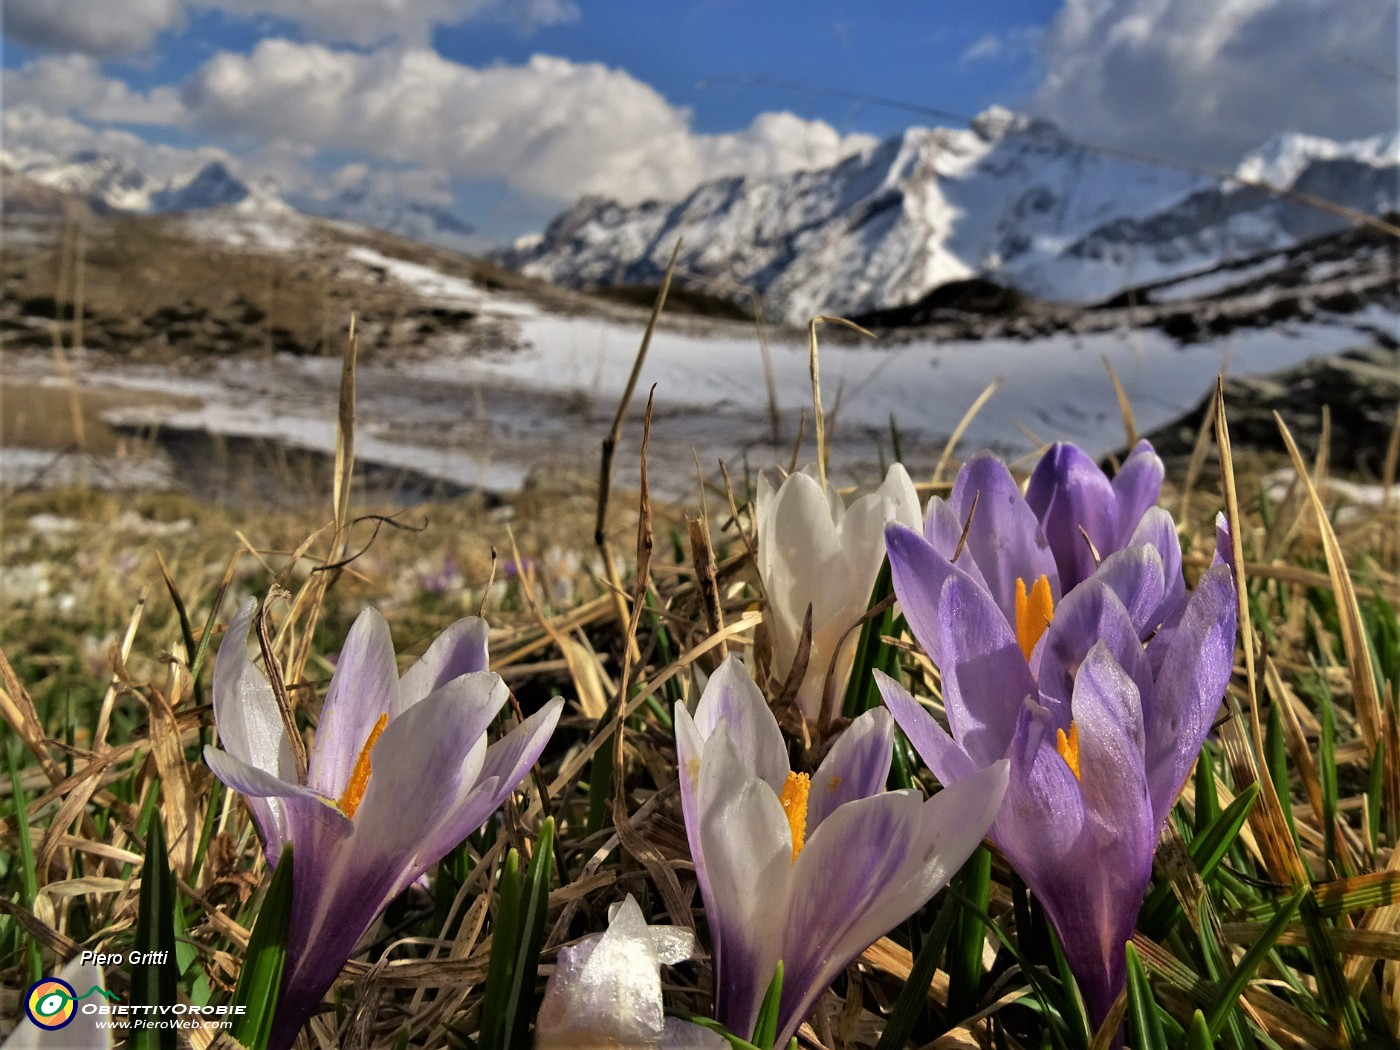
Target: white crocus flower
x: 814, y: 550
x: 605, y: 993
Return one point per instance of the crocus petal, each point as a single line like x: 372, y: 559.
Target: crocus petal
x: 1090, y: 614
x: 1068, y: 492
x: 1201, y: 659
x: 249, y: 723
x: 363, y: 687
x: 746, y: 846
x: 985, y: 676
x: 459, y: 650
x: 1158, y: 530
x: 856, y: 766
x: 944, y: 532
x: 82, y: 1032
x: 1096, y: 916
x: 731, y: 697
x: 1005, y: 539
x: 1042, y: 820
x: 872, y: 864
x: 1136, y: 487
x: 940, y: 753
x: 919, y: 572
x: 1136, y: 576
x: 433, y: 753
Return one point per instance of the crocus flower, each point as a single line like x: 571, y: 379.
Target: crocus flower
x: 1100, y: 698
x: 808, y: 870
x: 55, y: 1003
x: 605, y: 993
x: 399, y: 774
x: 1069, y: 492
x: 814, y: 550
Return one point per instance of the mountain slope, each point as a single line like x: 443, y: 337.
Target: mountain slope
x: 1010, y: 199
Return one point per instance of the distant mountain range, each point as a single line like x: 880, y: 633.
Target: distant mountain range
x: 1009, y: 199
x: 111, y: 185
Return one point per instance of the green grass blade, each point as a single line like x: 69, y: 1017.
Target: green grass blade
x: 260, y: 981
x: 534, y: 906
x: 913, y: 997
x: 505, y: 944
x: 974, y: 883
x: 29, y: 879
x: 157, y: 983
x: 1144, y: 1026
x: 765, y: 1028
x: 1198, y: 1036
x: 1230, y: 992
x: 1162, y: 910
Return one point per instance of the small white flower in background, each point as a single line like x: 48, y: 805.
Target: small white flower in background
x: 606, y: 990
x: 53, y: 1002
x: 814, y: 550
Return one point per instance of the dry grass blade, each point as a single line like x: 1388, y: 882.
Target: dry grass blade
x: 814, y: 368
x: 1125, y: 406
x: 1363, y: 678
x: 344, y: 475
x: 966, y: 421
x: 703, y: 558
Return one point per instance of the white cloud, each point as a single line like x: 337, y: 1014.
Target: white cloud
x: 983, y: 48
x: 31, y: 134
x: 550, y: 127
x: 107, y: 27
x: 74, y: 84
x: 1207, y: 80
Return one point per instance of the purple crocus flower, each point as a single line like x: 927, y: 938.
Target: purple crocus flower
x: 809, y: 871
x: 399, y: 774
x: 1100, y: 698
x: 1069, y: 492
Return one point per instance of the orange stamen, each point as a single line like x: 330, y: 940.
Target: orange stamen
x: 1033, y: 613
x: 1068, y: 747
x: 359, y: 776
x: 794, y: 800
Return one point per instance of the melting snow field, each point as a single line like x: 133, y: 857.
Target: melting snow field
x: 486, y: 418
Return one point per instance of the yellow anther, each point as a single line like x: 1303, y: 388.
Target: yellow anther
x: 794, y: 800
x: 1033, y: 613
x: 1068, y: 747
x: 359, y: 776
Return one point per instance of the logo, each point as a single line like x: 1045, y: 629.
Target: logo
x: 51, y: 1004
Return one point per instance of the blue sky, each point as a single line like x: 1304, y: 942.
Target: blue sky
x: 507, y: 109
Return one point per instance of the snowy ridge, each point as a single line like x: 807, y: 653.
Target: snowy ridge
x: 110, y: 184
x: 1009, y: 198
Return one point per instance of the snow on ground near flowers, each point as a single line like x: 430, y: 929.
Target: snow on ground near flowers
x: 484, y: 418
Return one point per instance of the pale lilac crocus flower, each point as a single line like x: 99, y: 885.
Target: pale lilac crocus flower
x: 1101, y: 699
x: 399, y: 774
x: 814, y: 550
x: 809, y: 871
x: 605, y: 992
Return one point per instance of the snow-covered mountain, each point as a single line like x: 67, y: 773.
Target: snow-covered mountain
x: 1009, y: 198
x: 417, y: 220
x: 111, y: 184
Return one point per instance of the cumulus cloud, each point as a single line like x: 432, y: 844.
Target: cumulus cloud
x: 550, y: 127
x: 108, y: 27
x: 74, y: 84
x: 32, y: 134
x: 1206, y: 81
